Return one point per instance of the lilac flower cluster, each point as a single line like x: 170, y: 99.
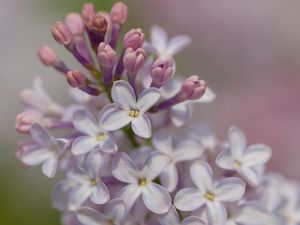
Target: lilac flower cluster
x: 126, y: 148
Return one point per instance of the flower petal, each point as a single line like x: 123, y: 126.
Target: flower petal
x: 83, y: 145
x: 40, y: 135
x: 89, y: 216
x: 49, y: 167
x: 170, y: 217
x: 156, y: 198
x: 124, y: 169
x: 162, y: 141
x: 230, y: 189
x: 217, y: 213
x: 202, y: 175
x: 189, y: 199
x: 36, y: 156
x: 169, y: 177
x: 159, y: 38
x: 85, y: 122
x: 181, y: 113
x: 123, y: 95
x: 256, y: 155
x: 100, y: 194
x: 187, y: 150
x: 177, y: 43
x: 109, y: 145
x: 141, y: 126
x: 208, y: 96
x: 237, y: 141
x: 115, y: 120
x: 147, y: 99
x: 154, y: 165
x: 78, y: 195
x: 92, y: 163
x: 192, y: 220
x: 252, y: 176
x: 60, y: 194
x: 116, y: 209
x: 129, y: 194
x: 225, y: 161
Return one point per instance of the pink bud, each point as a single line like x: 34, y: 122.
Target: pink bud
x: 134, y: 39
x: 107, y: 56
x: 61, y: 33
x: 134, y: 59
x: 75, y: 23
x: 47, y: 55
x: 161, y: 72
x: 192, y: 88
x: 25, y: 119
x: 76, y: 78
x: 88, y: 13
x: 99, y: 23
x: 119, y: 13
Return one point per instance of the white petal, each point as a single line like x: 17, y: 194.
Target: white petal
x: 187, y: 150
x: 83, y: 145
x: 147, y: 99
x: 154, y: 165
x: 225, y: 161
x: 92, y: 163
x: 251, y: 175
x: 192, y: 220
x: 169, y: 218
x: 181, y: 113
x: 208, y: 96
x: 217, y: 213
x: 230, y: 189
x: 78, y: 196
x: 36, y: 156
x: 149, y: 47
x: 100, y: 194
x: 141, y: 126
x: 159, y: 37
x: 162, y: 141
x: 237, y: 141
x: 116, y: 209
x: 109, y: 145
x: 60, y: 194
x: 129, y: 194
x: 124, y: 169
x: 249, y: 212
x: 89, y: 216
x: 40, y: 135
x: 202, y: 175
x: 115, y: 120
x: 257, y: 154
x: 189, y: 199
x: 169, y: 177
x: 123, y: 95
x: 106, y: 110
x: 85, y: 122
x: 177, y: 43
x: 50, y: 166
x: 156, y: 198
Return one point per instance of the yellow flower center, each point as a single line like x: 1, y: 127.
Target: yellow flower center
x: 93, y: 182
x: 101, y: 137
x: 134, y: 113
x: 237, y: 164
x: 142, y: 181
x: 209, y: 196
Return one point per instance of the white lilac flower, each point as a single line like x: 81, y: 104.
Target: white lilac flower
x: 127, y: 109
x: 140, y: 182
x: 209, y: 193
x: 94, y: 134
x: 46, y: 150
x: 85, y: 183
x: 247, y: 161
x: 172, y: 218
x: 184, y: 150
x: 162, y: 47
x: 114, y: 213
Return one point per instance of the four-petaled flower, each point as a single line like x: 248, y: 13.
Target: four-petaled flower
x: 127, y: 109
x: 209, y: 193
x: 247, y: 161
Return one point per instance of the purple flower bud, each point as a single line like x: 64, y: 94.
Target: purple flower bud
x: 47, y: 55
x: 25, y: 119
x: 75, y: 23
x: 76, y: 78
x: 119, y: 13
x: 61, y: 33
x: 134, y: 39
x: 88, y: 13
x: 192, y: 88
x: 99, y: 24
x: 161, y: 72
x: 107, y: 56
x: 134, y: 59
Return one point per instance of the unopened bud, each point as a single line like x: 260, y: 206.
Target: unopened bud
x: 75, y: 23
x: 47, y: 55
x: 25, y: 119
x: 107, y: 56
x: 99, y: 24
x: 76, y: 78
x: 88, y: 13
x: 61, y: 33
x: 161, y: 72
x: 192, y: 88
x: 134, y: 59
x: 134, y: 39
x: 119, y: 13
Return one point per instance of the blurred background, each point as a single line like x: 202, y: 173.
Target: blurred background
x: 248, y: 52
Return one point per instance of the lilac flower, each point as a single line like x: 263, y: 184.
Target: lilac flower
x: 164, y: 48
x: 127, y: 109
x: 185, y: 150
x: 209, y: 193
x: 94, y: 134
x: 114, y: 213
x: 140, y: 182
x: 46, y: 151
x: 248, y: 162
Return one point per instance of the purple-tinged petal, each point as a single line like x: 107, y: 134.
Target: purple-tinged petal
x: 169, y: 177
x: 78, y: 196
x: 252, y: 176
x: 36, y: 156
x: 93, y: 163
x: 115, y: 120
x: 177, y: 43
x: 154, y: 165
x: 141, y: 126
x: 60, y: 194
x: 159, y: 38
x: 162, y: 141
x: 83, y: 145
x: 209, y: 96
x: 181, y: 113
x: 225, y: 161
x: 123, y: 95
x: 40, y: 135
x: 129, y: 194
x: 147, y: 99
x: 187, y: 150
x: 85, y: 122
x: 202, y: 175
x: 257, y: 154
x: 109, y: 145
x: 189, y: 199
x: 230, y: 189
x: 89, y: 216
x: 217, y: 213
x: 192, y: 220
x: 49, y: 167
x: 100, y: 194
x: 237, y: 141
x: 170, y: 217
x: 106, y: 110
x: 116, y: 209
